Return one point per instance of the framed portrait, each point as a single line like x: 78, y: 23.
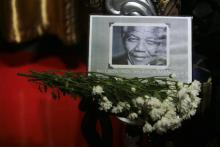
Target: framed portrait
x: 141, y: 46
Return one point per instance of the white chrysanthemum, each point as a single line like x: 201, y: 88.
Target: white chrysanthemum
x: 139, y: 111
x: 105, y: 104
x: 169, y: 92
x: 161, y: 126
x: 175, y: 121
x: 168, y: 104
x: 182, y: 93
x: 153, y: 102
x: 117, y: 109
x: 196, y: 102
x: 105, y: 99
x: 144, y: 81
x: 192, y: 112
x: 187, y: 107
x: 184, y: 106
x: 180, y: 85
x: 157, y: 113
x: 146, y: 96
x: 132, y: 116
x: 118, y: 79
x: 170, y: 83
x: 169, y: 98
x: 194, y: 92
x: 127, y: 105
x: 170, y: 121
x: 172, y: 87
x: 186, y: 99
x: 133, y: 89
x: 139, y: 101
x: 195, y: 88
x: 172, y: 93
x: 123, y: 104
x: 147, y: 127
x: 120, y: 107
x: 161, y: 82
x: 171, y: 114
x: 196, y: 85
x: 97, y: 90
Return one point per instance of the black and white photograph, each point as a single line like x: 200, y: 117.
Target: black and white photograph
x: 141, y: 46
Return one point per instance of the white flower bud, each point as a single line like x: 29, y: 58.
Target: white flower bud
x: 105, y: 99
x: 147, y: 127
x: 133, y: 89
x: 146, y: 96
x: 132, y: 116
x: 97, y: 90
x: 140, y: 101
x: 180, y: 84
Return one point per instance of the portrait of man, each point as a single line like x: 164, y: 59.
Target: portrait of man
x: 140, y: 45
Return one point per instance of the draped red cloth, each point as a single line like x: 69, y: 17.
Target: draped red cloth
x: 29, y: 118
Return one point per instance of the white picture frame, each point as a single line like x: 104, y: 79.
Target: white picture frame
x: 106, y: 43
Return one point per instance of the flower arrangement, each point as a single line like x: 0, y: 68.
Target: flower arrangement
x: 156, y: 103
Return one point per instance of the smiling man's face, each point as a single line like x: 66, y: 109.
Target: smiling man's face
x: 142, y: 43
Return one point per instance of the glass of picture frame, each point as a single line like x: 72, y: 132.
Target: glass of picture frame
x: 109, y: 48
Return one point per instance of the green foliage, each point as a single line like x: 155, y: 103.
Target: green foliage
x: 81, y: 84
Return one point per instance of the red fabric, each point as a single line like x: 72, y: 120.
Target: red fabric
x: 29, y: 118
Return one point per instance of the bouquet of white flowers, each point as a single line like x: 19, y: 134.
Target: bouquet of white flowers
x: 156, y: 103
